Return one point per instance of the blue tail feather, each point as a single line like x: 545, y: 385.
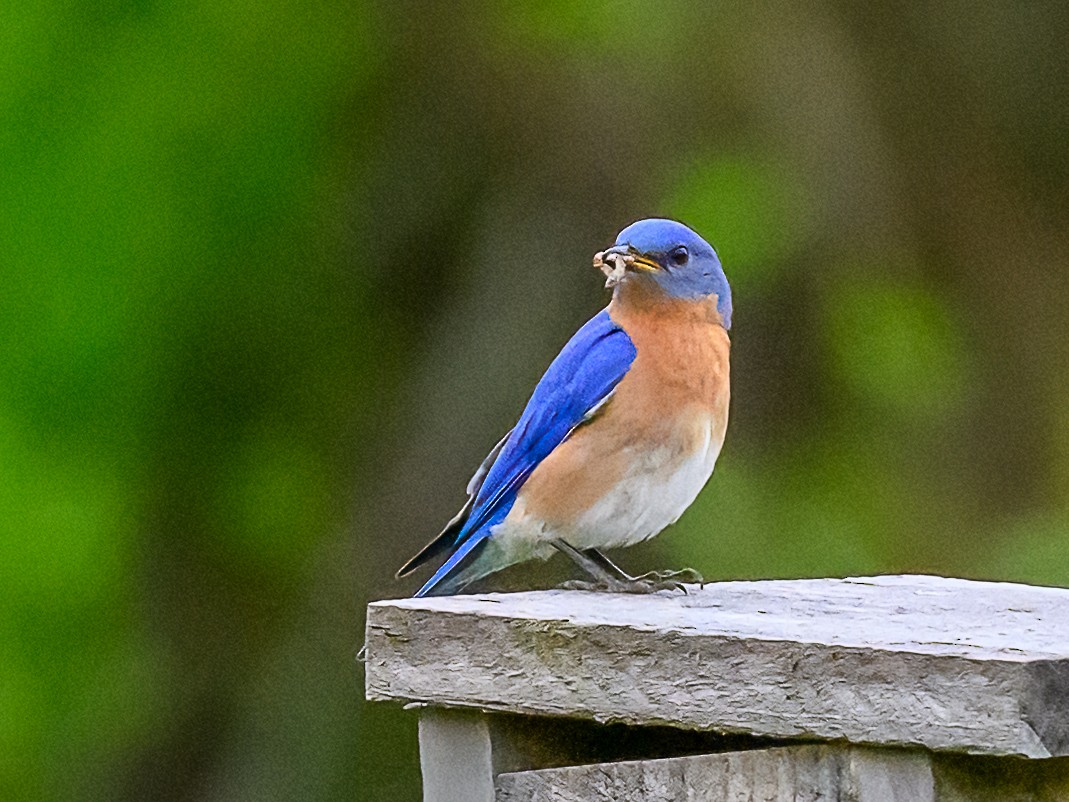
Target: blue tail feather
x: 442, y: 582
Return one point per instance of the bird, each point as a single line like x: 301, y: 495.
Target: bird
x: 620, y: 434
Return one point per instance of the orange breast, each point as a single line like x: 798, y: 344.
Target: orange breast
x: 674, y: 399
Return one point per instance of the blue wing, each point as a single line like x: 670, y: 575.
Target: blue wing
x: 582, y: 376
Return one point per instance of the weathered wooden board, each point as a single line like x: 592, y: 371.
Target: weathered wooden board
x: 901, y: 660
x: 471, y: 756
x: 790, y: 774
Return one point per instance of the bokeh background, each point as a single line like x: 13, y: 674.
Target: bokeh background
x: 276, y: 275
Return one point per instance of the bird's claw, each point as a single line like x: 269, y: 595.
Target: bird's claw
x: 638, y: 585
x: 684, y: 575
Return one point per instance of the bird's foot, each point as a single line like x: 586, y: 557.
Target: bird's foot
x: 683, y: 576
x: 638, y: 584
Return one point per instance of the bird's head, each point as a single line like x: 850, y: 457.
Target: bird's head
x: 676, y: 259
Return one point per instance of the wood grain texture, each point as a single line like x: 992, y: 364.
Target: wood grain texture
x: 455, y: 757
x: 786, y: 774
x: 948, y: 664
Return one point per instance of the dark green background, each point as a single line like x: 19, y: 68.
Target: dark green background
x: 276, y: 275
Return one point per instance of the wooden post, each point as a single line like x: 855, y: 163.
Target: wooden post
x: 882, y: 689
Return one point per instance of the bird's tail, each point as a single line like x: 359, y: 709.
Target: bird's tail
x: 461, y: 569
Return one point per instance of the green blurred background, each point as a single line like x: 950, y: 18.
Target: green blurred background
x: 276, y: 275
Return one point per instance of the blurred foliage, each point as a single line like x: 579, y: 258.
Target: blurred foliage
x: 730, y: 195
x: 276, y: 276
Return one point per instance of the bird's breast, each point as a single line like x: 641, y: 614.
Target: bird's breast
x: 641, y: 461
x: 682, y: 360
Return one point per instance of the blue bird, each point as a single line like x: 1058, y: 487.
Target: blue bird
x: 620, y: 434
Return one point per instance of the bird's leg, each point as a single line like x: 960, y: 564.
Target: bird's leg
x: 684, y: 575
x: 591, y: 567
x: 607, y: 575
x: 598, y: 557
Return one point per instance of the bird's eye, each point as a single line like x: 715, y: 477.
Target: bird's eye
x: 679, y: 256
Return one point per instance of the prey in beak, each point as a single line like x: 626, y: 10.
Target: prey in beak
x: 614, y: 262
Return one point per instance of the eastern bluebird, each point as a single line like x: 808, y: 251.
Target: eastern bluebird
x: 620, y: 434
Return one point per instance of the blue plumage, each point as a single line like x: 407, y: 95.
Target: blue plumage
x: 689, y: 267
x: 581, y: 377
x: 660, y: 351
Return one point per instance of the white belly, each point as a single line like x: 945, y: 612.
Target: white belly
x: 653, y: 496
x: 655, y: 491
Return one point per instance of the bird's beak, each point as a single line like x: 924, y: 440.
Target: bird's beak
x: 633, y: 259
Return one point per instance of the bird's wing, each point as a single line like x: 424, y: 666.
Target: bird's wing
x: 579, y: 381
